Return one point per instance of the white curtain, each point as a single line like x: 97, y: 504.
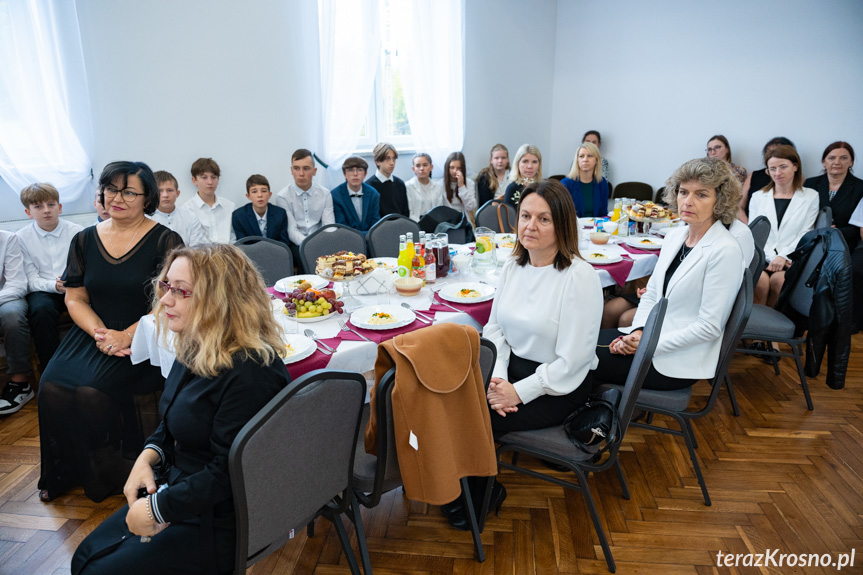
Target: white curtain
x: 350, y: 45
x: 45, y: 124
x: 431, y: 63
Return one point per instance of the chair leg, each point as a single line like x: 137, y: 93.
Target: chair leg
x: 346, y: 544
x: 515, y: 457
x: 310, y: 529
x: 621, y: 478
x: 361, y: 535
x: 734, y: 408
x: 486, y: 499
x: 471, y: 516
x: 597, y: 524
x: 798, y: 354
x: 689, y: 438
x: 773, y: 359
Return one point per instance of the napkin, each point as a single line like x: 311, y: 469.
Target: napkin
x: 317, y: 360
x: 633, y: 250
x: 619, y: 271
x: 478, y: 311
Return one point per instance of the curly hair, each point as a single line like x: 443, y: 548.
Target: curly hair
x: 713, y: 173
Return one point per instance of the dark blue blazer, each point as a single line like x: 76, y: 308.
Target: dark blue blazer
x: 344, y: 210
x: 600, y: 197
x: 245, y: 222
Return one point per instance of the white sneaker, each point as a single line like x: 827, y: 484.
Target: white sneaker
x: 14, y: 396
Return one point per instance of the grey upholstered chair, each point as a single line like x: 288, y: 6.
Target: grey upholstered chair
x: 376, y: 475
x: 294, y: 462
x: 552, y: 444
x: 675, y: 403
x: 383, y: 237
x: 272, y: 258
x: 329, y: 240
x: 487, y: 217
x: 760, y: 228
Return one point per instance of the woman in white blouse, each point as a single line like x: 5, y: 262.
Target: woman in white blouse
x: 544, y: 323
x: 791, y: 209
x: 459, y: 191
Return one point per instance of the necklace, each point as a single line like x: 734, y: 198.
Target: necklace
x: 111, y: 241
x: 684, y: 251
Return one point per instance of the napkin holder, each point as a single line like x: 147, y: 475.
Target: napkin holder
x: 375, y: 282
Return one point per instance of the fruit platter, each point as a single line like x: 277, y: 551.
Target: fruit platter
x: 311, y: 304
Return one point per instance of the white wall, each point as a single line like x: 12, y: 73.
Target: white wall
x: 659, y: 78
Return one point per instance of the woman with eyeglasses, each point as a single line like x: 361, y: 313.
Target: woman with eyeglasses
x: 181, y: 519
x: 88, y: 423
x: 718, y: 147
x: 791, y: 209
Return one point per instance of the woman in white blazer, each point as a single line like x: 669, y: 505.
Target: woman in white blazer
x: 791, y: 209
x: 699, y: 271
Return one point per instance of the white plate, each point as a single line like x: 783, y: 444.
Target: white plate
x: 636, y: 242
x: 289, y: 284
x: 303, y: 348
x: 279, y: 306
x: 509, y: 239
x: 608, y: 259
x: 450, y: 292
x: 403, y: 316
x: 389, y: 264
x: 585, y: 222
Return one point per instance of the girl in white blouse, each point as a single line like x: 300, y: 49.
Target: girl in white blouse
x: 459, y: 191
x: 545, y: 318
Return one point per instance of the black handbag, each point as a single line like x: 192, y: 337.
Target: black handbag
x: 594, y: 427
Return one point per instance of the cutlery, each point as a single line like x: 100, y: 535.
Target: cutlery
x: 326, y: 349
x: 434, y: 300
x: 344, y: 325
x: 421, y: 317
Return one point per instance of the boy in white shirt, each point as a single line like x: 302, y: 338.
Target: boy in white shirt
x: 423, y: 192
x: 184, y: 222
x: 213, y: 213
x: 45, y: 247
x: 13, y: 324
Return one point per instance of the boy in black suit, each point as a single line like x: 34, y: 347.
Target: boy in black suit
x: 260, y: 217
x: 394, y: 195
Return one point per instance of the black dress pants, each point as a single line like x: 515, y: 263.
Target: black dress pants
x: 45, y: 311
x: 614, y: 368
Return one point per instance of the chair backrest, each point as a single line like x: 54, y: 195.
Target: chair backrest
x: 460, y: 233
x: 557, y: 177
x: 291, y: 459
x: 487, y: 216
x: 760, y: 228
x: 639, y: 368
x: 383, y: 237
x: 756, y: 266
x: 438, y: 214
x: 657, y: 197
x: 801, y: 296
x: 272, y: 258
x: 487, y: 359
x: 329, y: 240
x: 635, y: 190
x: 824, y: 218
x: 734, y: 327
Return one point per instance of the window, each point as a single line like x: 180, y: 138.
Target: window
x: 387, y: 118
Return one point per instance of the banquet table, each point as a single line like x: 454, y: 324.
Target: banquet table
x: 359, y: 356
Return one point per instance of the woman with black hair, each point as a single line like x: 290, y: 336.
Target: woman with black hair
x: 87, y: 416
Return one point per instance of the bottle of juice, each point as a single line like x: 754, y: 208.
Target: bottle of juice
x: 404, y: 259
x: 418, y: 264
x: 410, y: 239
x: 431, y: 260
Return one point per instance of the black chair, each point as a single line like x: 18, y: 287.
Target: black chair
x: 824, y: 218
x: 635, y: 190
x: 552, y: 444
x: 770, y: 325
x: 272, y: 258
x: 383, y: 237
x: 375, y: 476
x: 439, y: 214
x: 557, y: 177
x: 497, y: 215
x: 760, y: 228
x: 675, y: 403
x: 294, y: 462
x: 756, y: 266
x: 329, y: 240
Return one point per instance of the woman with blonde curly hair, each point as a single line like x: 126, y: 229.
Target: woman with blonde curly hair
x: 228, y: 367
x: 699, y: 270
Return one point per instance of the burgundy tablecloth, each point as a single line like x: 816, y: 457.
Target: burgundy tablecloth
x: 618, y: 271
x: 478, y: 311
x: 633, y: 250
x: 378, y: 336
x: 317, y: 360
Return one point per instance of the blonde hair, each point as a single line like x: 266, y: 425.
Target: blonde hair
x: 488, y: 171
x: 713, y: 173
x: 515, y: 174
x: 597, y: 169
x: 229, y: 307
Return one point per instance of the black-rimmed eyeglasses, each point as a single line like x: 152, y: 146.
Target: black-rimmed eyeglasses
x: 128, y: 194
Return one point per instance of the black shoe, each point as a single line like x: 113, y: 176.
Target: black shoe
x: 14, y: 396
x: 498, y: 495
x: 555, y: 466
x: 453, y: 508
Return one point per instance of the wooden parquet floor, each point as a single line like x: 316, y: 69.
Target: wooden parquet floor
x: 780, y: 478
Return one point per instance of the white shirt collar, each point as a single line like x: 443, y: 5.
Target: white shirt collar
x: 264, y: 217
x: 53, y: 233
x: 202, y: 203
x: 300, y: 191
x: 381, y: 177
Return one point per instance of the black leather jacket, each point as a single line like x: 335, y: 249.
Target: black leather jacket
x: 829, y: 323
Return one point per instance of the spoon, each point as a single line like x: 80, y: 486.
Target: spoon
x: 344, y: 325
x: 327, y: 349
x: 434, y: 300
x: 422, y: 318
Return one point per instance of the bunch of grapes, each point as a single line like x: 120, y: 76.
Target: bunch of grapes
x: 310, y: 303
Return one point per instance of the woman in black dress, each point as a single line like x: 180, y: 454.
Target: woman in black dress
x: 87, y: 416
x: 227, y: 345
x: 527, y: 169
